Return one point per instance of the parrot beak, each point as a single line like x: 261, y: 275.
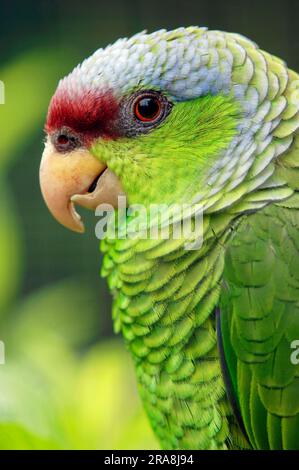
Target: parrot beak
x: 75, y: 177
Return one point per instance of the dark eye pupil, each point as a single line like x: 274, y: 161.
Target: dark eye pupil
x: 147, y: 108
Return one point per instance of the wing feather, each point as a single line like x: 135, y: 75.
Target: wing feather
x: 259, y: 321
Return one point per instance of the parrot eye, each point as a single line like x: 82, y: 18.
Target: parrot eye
x: 65, y: 141
x: 147, y: 108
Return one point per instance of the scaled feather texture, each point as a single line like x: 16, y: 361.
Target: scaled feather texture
x: 230, y: 144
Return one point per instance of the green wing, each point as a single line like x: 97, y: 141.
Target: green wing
x: 260, y: 322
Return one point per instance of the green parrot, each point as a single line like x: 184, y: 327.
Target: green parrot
x: 206, y: 119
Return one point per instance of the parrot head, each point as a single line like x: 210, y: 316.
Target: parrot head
x: 168, y: 117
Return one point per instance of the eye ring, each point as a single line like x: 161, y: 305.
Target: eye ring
x: 147, y: 108
x: 134, y: 121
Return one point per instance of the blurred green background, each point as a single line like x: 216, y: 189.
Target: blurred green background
x: 68, y: 383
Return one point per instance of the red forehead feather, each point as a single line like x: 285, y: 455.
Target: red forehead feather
x: 90, y: 114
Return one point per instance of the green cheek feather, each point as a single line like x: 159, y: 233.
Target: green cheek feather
x: 170, y: 164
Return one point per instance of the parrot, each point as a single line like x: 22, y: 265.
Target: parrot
x: 207, y: 119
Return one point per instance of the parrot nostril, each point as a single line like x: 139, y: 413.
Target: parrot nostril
x: 62, y: 139
x: 65, y: 141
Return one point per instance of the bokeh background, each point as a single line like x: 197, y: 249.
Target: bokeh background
x: 68, y: 383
